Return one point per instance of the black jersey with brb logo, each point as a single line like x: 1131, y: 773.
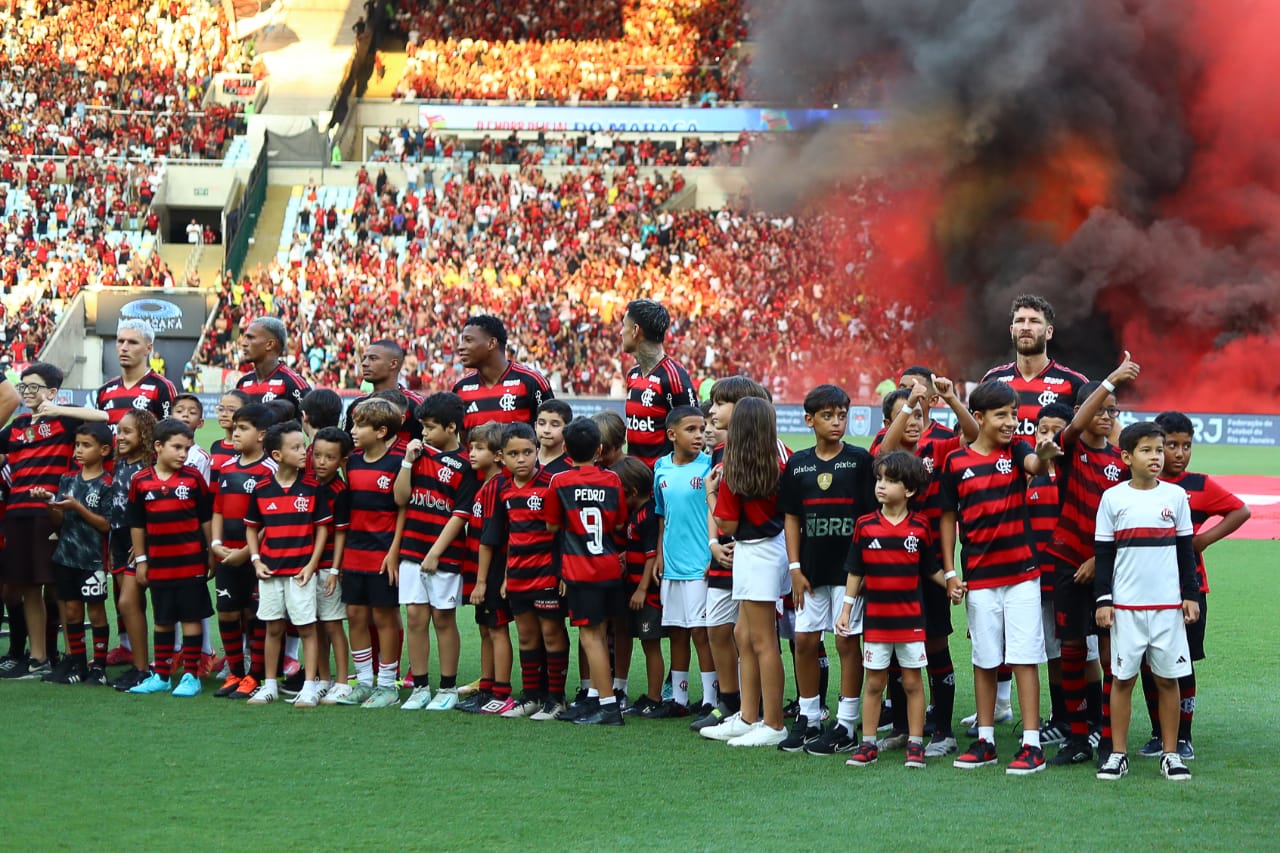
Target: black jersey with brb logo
x: 828, y: 495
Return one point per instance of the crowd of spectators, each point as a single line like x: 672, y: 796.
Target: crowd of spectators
x: 125, y: 77
x: 783, y: 299
x: 571, y: 50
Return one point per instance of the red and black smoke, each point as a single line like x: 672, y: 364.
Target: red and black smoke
x: 1118, y: 157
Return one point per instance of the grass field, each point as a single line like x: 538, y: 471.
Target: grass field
x: 90, y: 768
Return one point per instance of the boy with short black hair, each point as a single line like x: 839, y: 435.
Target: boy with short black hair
x: 553, y: 415
x: 587, y: 504
x: 188, y: 409
x: 287, y: 525
x: 330, y: 449
x: 170, y: 509
x: 1147, y: 589
x: 321, y: 408
x: 79, y: 510
x: 822, y: 491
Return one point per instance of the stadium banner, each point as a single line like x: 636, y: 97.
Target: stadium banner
x: 633, y: 119
x: 1211, y: 427
x: 171, y: 315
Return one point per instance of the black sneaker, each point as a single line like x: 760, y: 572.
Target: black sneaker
x: 9, y: 664
x: 701, y: 710
x: 67, y: 671
x: 292, y: 685
x: 801, y: 734
x: 714, y: 717
x: 1173, y: 769
x: 835, y: 739
x: 579, y: 697
x: 621, y: 696
x: 602, y: 715
x: 1115, y: 767
x: 473, y: 703
x: 130, y: 678
x: 578, y: 710
x: 1186, y: 751
x: 636, y: 708
x: 664, y: 710
x: 35, y: 671
x: 1075, y: 750
x: 95, y: 677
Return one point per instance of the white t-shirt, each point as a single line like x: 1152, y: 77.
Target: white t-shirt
x: 1144, y: 525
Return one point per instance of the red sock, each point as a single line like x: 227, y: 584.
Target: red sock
x: 75, y: 640
x: 1074, y: 689
x: 557, y: 672
x: 191, y: 654
x: 258, y: 649
x: 163, y: 643
x: 232, y: 644
x: 101, y: 640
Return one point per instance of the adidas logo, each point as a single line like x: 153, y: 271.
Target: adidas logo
x: 968, y: 474
x: 1181, y: 659
x: 875, y: 545
x: 271, y: 507
x: 150, y: 496
x: 473, y: 408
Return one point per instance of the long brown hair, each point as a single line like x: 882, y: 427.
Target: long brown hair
x: 751, y: 450
x: 145, y: 422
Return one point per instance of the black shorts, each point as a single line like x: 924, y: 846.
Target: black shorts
x: 120, y: 545
x: 369, y: 589
x: 236, y: 586
x: 178, y: 601
x: 493, y: 612
x: 645, y: 623
x: 546, y: 603
x: 1074, y: 604
x: 937, y: 612
x: 77, y: 584
x: 1195, y: 631
x: 28, y: 552
x: 594, y: 603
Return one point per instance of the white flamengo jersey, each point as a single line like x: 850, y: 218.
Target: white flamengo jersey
x: 1144, y: 525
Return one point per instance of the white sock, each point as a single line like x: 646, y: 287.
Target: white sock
x: 310, y: 686
x: 811, y: 710
x: 592, y: 693
x: 988, y: 733
x: 1031, y: 737
x: 207, y: 646
x: 620, y: 684
x: 291, y: 646
x: 1002, y: 692
x: 847, y: 713
x: 387, y: 674
x: 364, y: 665
x: 680, y: 687
x: 124, y: 642
x: 710, y: 689
x: 608, y: 700
x: 584, y: 683
x: 269, y: 685
x: 324, y: 685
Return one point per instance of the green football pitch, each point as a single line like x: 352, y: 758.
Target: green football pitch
x: 89, y: 768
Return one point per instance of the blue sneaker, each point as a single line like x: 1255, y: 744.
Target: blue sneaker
x: 188, y: 686
x: 153, y: 684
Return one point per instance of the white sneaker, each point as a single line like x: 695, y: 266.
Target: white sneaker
x: 760, y: 735
x: 336, y: 694
x: 323, y: 687
x: 940, y: 746
x: 523, y: 707
x: 732, y: 726
x: 444, y: 700
x: 263, y: 696
x: 308, y: 698
x: 970, y: 720
x: 548, y: 711
x: 418, y: 699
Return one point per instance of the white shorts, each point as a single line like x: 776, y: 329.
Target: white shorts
x: 822, y: 608
x: 910, y: 655
x: 281, y: 598
x: 441, y: 590
x: 760, y: 569
x: 722, y: 609
x: 1160, y: 635
x: 329, y: 608
x: 684, y: 603
x: 1052, y: 645
x: 1004, y: 625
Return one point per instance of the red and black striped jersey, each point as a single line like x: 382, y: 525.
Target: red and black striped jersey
x: 513, y: 399
x: 758, y: 518
x: 650, y: 398
x: 933, y: 452
x: 171, y: 510
x: 641, y: 534
x: 1056, y: 383
x: 412, y: 426
x: 519, y: 524
x: 220, y: 453
x: 39, y: 453
x: 152, y: 392
x: 988, y: 493
x: 555, y: 466
x: 588, y: 505
x: 1042, y: 511
x: 233, y: 489
x: 933, y: 431
x: 482, y: 508
x: 1206, y: 499
x: 282, y: 381
x: 329, y: 496
x: 893, y: 561
x: 1084, y: 473
x: 442, y: 486
x: 369, y: 510
x: 827, y: 495
x: 287, y: 518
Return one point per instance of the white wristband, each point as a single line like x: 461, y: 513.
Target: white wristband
x: 713, y: 541
x: 849, y: 599
x: 215, y: 543
x: 405, y: 463
x: 253, y: 558
x: 949, y: 575
x: 141, y: 558
x: 793, y: 566
x: 1109, y: 385
x: 330, y: 571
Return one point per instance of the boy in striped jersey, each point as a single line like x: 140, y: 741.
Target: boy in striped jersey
x: 1147, y: 590
x: 287, y: 525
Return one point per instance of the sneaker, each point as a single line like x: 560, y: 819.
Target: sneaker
x: 865, y: 755
x: 801, y: 734
x: 119, y: 656
x: 1075, y: 750
x: 759, y: 735
x: 1004, y: 713
x: 152, y: 684
x: 130, y: 679
x: 939, y: 746
x: 893, y: 741
x: 970, y: 719
x: 444, y: 700
x: 1153, y: 748
x: 418, y: 699
x: 580, y: 697
x: 700, y: 710
x: 663, y: 710
x: 188, y: 686
x: 209, y: 664
x: 1115, y: 767
x: 915, y: 756
x: 67, y: 671
x: 981, y: 753
x: 338, y: 694
x: 469, y: 689
x: 791, y: 709
x: 307, y: 698
x: 8, y: 664
x: 34, y: 671
x: 95, y: 677
x: 264, y: 695
x: 1172, y: 768
x: 291, y: 666
x: 1186, y: 751
x: 667, y: 692
x: 230, y: 686
x: 1051, y: 733
x: 732, y: 726
x: 602, y: 715
x: 714, y: 717
x: 360, y: 693
x: 578, y: 710
x: 501, y: 707
x: 247, y: 687
x: 635, y: 708
x: 473, y: 703
x: 291, y: 685
x: 834, y: 741
x: 382, y: 697
x: 1030, y: 759
x: 550, y: 708
x: 1095, y: 737
x: 522, y: 707
x: 621, y: 697
x: 322, y: 689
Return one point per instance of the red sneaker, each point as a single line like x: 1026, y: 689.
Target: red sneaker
x: 119, y: 656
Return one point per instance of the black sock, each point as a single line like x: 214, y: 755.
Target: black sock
x: 899, y: 698
x: 732, y: 701
x: 1093, y: 690
x: 422, y: 679
x: 1057, y: 703
x: 824, y: 674
x: 17, y: 630
x: 447, y: 682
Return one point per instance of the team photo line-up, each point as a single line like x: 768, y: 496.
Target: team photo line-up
x: 1080, y: 550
